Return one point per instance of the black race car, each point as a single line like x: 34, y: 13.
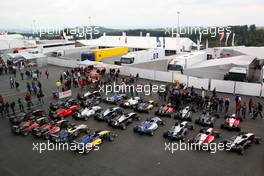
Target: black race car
x: 91, y: 102
x: 241, y: 141
x: 63, y: 104
x: 123, y: 120
x: 88, y: 95
x: 146, y: 106
x: 178, y: 131
x: 27, y: 116
x: 165, y: 110
x: 207, y: 119
x: 110, y: 113
x: 184, y: 114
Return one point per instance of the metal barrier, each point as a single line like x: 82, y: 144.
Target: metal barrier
x: 233, y: 87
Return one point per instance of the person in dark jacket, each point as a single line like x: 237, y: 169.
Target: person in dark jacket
x: 12, y: 105
x: 20, y: 104
x: 7, y: 109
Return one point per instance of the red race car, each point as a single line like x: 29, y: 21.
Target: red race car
x: 59, y: 125
x: 205, y: 137
x: 62, y: 113
x: 165, y: 110
x: 231, y: 123
x: 38, y: 132
x: 34, y: 125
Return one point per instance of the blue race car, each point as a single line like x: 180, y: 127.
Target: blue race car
x: 148, y: 126
x: 115, y: 99
x: 109, y: 114
x: 70, y: 133
x: 90, y: 142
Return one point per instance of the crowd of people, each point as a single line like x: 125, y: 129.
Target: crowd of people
x: 33, y: 88
x: 178, y: 94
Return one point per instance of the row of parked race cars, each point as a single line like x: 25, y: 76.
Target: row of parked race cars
x: 57, y: 128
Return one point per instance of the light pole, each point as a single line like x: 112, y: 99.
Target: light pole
x: 178, y: 14
x: 90, y: 23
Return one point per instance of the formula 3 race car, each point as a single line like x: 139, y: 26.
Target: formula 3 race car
x: 240, y: 142
x: 115, y: 99
x: 165, y: 110
x: 87, y: 113
x: 131, y: 103
x: 184, y: 114
x: 27, y: 116
x: 110, y: 113
x: 205, y: 137
x: 34, y: 125
x: 146, y: 106
x: 231, y: 123
x: 70, y: 133
x: 91, y: 102
x: 207, y: 119
x: 123, y: 120
x: 178, y: 131
x: 90, y: 142
x: 89, y: 95
x: 149, y: 126
x: 63, y: 113
x: 59, y: 125
x: 38, y: 132
x: 55, y: 105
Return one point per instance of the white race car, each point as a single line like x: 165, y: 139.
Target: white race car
x: 131, y: 103
x: 241, y: 141
x: 178, y: 131
x: 149, y: 126
x: 184, y: 114
x: 87, y: 113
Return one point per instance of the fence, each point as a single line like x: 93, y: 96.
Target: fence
x: 233, y: 87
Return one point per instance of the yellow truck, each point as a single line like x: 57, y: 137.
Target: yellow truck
x: 100, y: 54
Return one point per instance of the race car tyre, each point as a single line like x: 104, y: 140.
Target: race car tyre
x: 238, y: 129
x: 123, y: 127
x: 222, y: 126
x: 151, y: 133
x: 241, y: 150
x: 166, y: 134
x: 257, y: 140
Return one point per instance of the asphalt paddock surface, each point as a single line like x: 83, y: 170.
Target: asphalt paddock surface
x: 128, y: 154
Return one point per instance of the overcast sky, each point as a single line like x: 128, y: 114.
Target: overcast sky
x: 130, y: 13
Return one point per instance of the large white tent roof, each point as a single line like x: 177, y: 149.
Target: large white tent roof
x: 169, y: 43
x: 242, y: 60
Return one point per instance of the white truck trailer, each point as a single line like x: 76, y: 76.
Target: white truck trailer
x: 141, y: 56
x: 179, y: 63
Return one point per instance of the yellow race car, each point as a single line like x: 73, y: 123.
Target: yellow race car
x: 146, y: 106
x: 92, y: 141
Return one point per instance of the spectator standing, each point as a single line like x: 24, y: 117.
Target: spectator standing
x: 259, y: 110
x: 20, y: 104
x: 12, y: 105
x: 238, y: 108
x: 7, y: 109
x: 244, y: 110
x: 47, y: 74
x: 12, y: 82
x: 2, y: 110
x: 227, y: 102
x: 22, y: 75
x: 250, y: 105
